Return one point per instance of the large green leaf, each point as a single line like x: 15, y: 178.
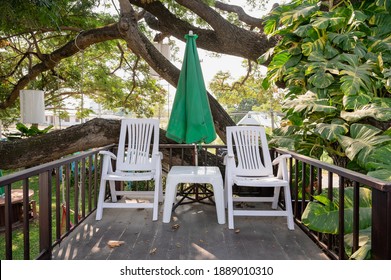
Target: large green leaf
x: 316, y: 45
x: 299, y: 13
x: 323, y: 218
x: 318, y: 62
x: 271, y: 25
x: 363, y: 139
x: 285, y: 137
x: 382, y: 174
x: 364, y: 253
x: 303, y: 30
x: 321, y: 79
x: 330, y: 51
x: 351, y: 102
x: 326, y: 20
x: 381, y: 24
x: 371, y: 110
x: 355, y: 76
x: 365, y: 197
x: 293, y: 61
x: 310, y: 103
x: 364, y: 242
x: 330, y: 131
x: 277, y: 65
x: 380, y: 158
x: 346, y: 41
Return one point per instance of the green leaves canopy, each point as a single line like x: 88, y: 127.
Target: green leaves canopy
x: 335, y: 62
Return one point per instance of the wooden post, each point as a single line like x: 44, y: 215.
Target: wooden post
x: 381, y: 224
x: 45, y: 216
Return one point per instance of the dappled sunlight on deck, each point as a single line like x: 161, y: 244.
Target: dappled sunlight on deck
x: 202, y: 253
x: 192, y: 234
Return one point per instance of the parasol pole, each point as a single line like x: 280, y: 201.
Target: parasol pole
x: 195, y: 145
x: 195, y: 154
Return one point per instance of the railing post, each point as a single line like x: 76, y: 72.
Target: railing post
x: 381, y: 224
x: 45, y: 216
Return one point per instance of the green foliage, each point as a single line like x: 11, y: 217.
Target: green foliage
x: 32, y: 131
x: 106, y: 72
x: 245, y: 94
x: 364, y: 242
x: 322, y: 216
x: 24, y: 15
x: 336, y: 64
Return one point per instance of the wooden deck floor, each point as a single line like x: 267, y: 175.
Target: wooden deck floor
x: 198, y: 237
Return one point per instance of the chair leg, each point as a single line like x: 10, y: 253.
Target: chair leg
x: 156, y: 196
x: 276, y: 197
x: 161, y: 197
x: 225, y: 191
x: 101, y: 197
x: 230, y: 206
x: 112, y: 191
x: 288, y: 208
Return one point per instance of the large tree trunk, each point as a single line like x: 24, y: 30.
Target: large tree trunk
x: 51, y: 146
x: 95, y: 133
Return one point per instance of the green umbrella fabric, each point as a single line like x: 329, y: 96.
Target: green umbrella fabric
x: 191, y: 119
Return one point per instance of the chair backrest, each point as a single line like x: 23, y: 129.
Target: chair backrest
x: 243, y: 143
x: 135, y: 141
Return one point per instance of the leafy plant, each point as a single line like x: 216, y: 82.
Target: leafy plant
x: 32, y: 131
x: 322, y: 216
x: 335, y: 62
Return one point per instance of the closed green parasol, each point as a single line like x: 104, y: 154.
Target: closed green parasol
x: 191, y: 119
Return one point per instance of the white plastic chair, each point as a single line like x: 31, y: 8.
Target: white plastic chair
x: 247, y: 165
x: 134, y: 162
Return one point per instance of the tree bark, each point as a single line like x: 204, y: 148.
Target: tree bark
x: 94, y: 133
x: 224, y: 38
x: 51, y: 146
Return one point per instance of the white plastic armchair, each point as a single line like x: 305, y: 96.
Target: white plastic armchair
x: 135, y: 161
x: 248, y: 165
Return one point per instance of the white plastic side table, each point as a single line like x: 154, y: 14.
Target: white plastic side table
x: 197, y: 175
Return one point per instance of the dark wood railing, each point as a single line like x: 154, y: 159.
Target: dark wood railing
x: 67, y: 194
x: 381, y: 203
x: 68, y: 191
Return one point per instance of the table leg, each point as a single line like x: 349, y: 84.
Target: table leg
x: 219, y: 200
x: 171, y: 189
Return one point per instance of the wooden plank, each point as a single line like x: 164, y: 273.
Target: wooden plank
x: 198, y: 236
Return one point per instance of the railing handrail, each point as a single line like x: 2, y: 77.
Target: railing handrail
x: 36, y: 170
x: 349, y: 174
x: 381, y: 195
x: 373, y: 182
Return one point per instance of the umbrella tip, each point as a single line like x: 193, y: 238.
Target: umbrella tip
x: 191, y: 32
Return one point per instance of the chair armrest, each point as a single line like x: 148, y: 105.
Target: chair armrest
x: 159, y: 154
x: 282, y: 168
x: 227, y: 158
x: 278, y: 159
x: 107, y: 153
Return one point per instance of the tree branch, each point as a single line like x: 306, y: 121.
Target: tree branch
x: 134, y: 83
x: 225, y: 38
x: 252, y: 21
x: 249, y: 69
